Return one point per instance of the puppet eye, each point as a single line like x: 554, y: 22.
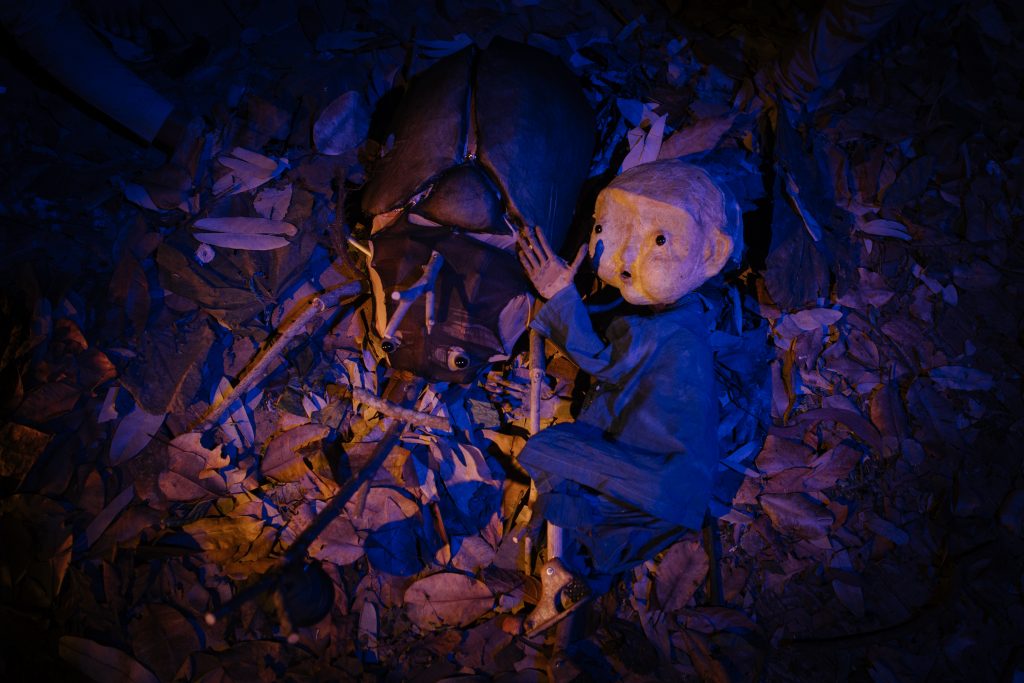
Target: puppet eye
x: 598, y: 228
x: 659, y: 240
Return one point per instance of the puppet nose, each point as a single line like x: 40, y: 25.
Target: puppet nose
x: 625, y: 260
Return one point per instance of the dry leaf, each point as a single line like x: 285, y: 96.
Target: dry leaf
x: 242, y: 241
x: 101, y: 663
x: 435, y: 49
x: 163, y: 638
x: 645, y: 147
x: 339, y: 543
x: 108, y: 515
x: 133, y: 433
x: 188, y: 454
x: 48, y: 401
x: 964, y: 379
x: 38, y: 542
x: 815, y: 318
x: 232, y: 540
x: 871, y: 289
x: 447, y: 599
x: 703, y: 135
x: 343, y: 40
x: 886, y: 529
x: 137, y: 195
x: 342, y: 126
x: 832, y: 466
x: 108, y: 411
x: 273, y: 203
x: 192, y: 469
x: 281, y: 462
x: 177, y: 487
x: 796, y: 514
x: 474, y: 554
x: 20, y: 446
x: 383, y: 505
x: 247, y: 171
x: 850, y: 595
x: 243, y: 225
x: 781, y: 454
x: 680, y: 573
x: 885, y: 228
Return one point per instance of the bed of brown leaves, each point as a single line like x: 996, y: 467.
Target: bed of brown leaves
x: 876, y: 531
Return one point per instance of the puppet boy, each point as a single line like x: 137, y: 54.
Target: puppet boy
x: 635, y: 469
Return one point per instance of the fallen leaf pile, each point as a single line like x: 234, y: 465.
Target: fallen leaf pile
x: 869, y: 514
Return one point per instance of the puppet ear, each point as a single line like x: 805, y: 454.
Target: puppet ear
x: 716, y: 253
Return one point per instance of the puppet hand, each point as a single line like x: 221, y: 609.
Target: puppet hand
x: 548, y: 273
x: 511, y: 391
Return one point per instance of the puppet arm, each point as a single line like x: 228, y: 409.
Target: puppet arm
x: 546, y: 270
x: 565, y: 321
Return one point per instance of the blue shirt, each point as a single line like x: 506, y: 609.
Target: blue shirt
x: 647, y: 434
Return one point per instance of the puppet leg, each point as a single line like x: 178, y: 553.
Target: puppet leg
x: 555, y: 549
x: 537, y: 367
x: 561, y: 591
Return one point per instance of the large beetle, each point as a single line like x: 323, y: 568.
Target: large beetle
x: 484, y: 140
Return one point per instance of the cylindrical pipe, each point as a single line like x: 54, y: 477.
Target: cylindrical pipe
x: 537, y: 369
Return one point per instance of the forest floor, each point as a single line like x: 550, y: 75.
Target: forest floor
x: 875, y: 528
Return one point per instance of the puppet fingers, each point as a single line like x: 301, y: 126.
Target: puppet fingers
x: 529, y: 261
x: 542, y: 240
x: 534, y: 243
x: 578, y: 261
x: 526, y: 250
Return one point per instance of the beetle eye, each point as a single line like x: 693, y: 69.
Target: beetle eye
x: 598, y: 228
x: 659, y: 240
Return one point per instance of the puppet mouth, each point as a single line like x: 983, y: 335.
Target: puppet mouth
x: 631, y: 293
x: 626, y: 283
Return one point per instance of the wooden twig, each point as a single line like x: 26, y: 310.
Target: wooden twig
x: 267, y: 359
x: 408, y: 415
x: 405, y: 299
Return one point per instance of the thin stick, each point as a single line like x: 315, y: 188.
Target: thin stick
x: 267, y: 359
x: 297, y: 550
x: 408, y: 297
x: 408, y: 415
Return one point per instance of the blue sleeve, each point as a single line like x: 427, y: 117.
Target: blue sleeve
x: 565, y: 321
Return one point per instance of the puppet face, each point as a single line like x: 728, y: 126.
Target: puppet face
x: 655, y: 251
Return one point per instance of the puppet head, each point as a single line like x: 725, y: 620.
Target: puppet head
x: 661, y: 230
